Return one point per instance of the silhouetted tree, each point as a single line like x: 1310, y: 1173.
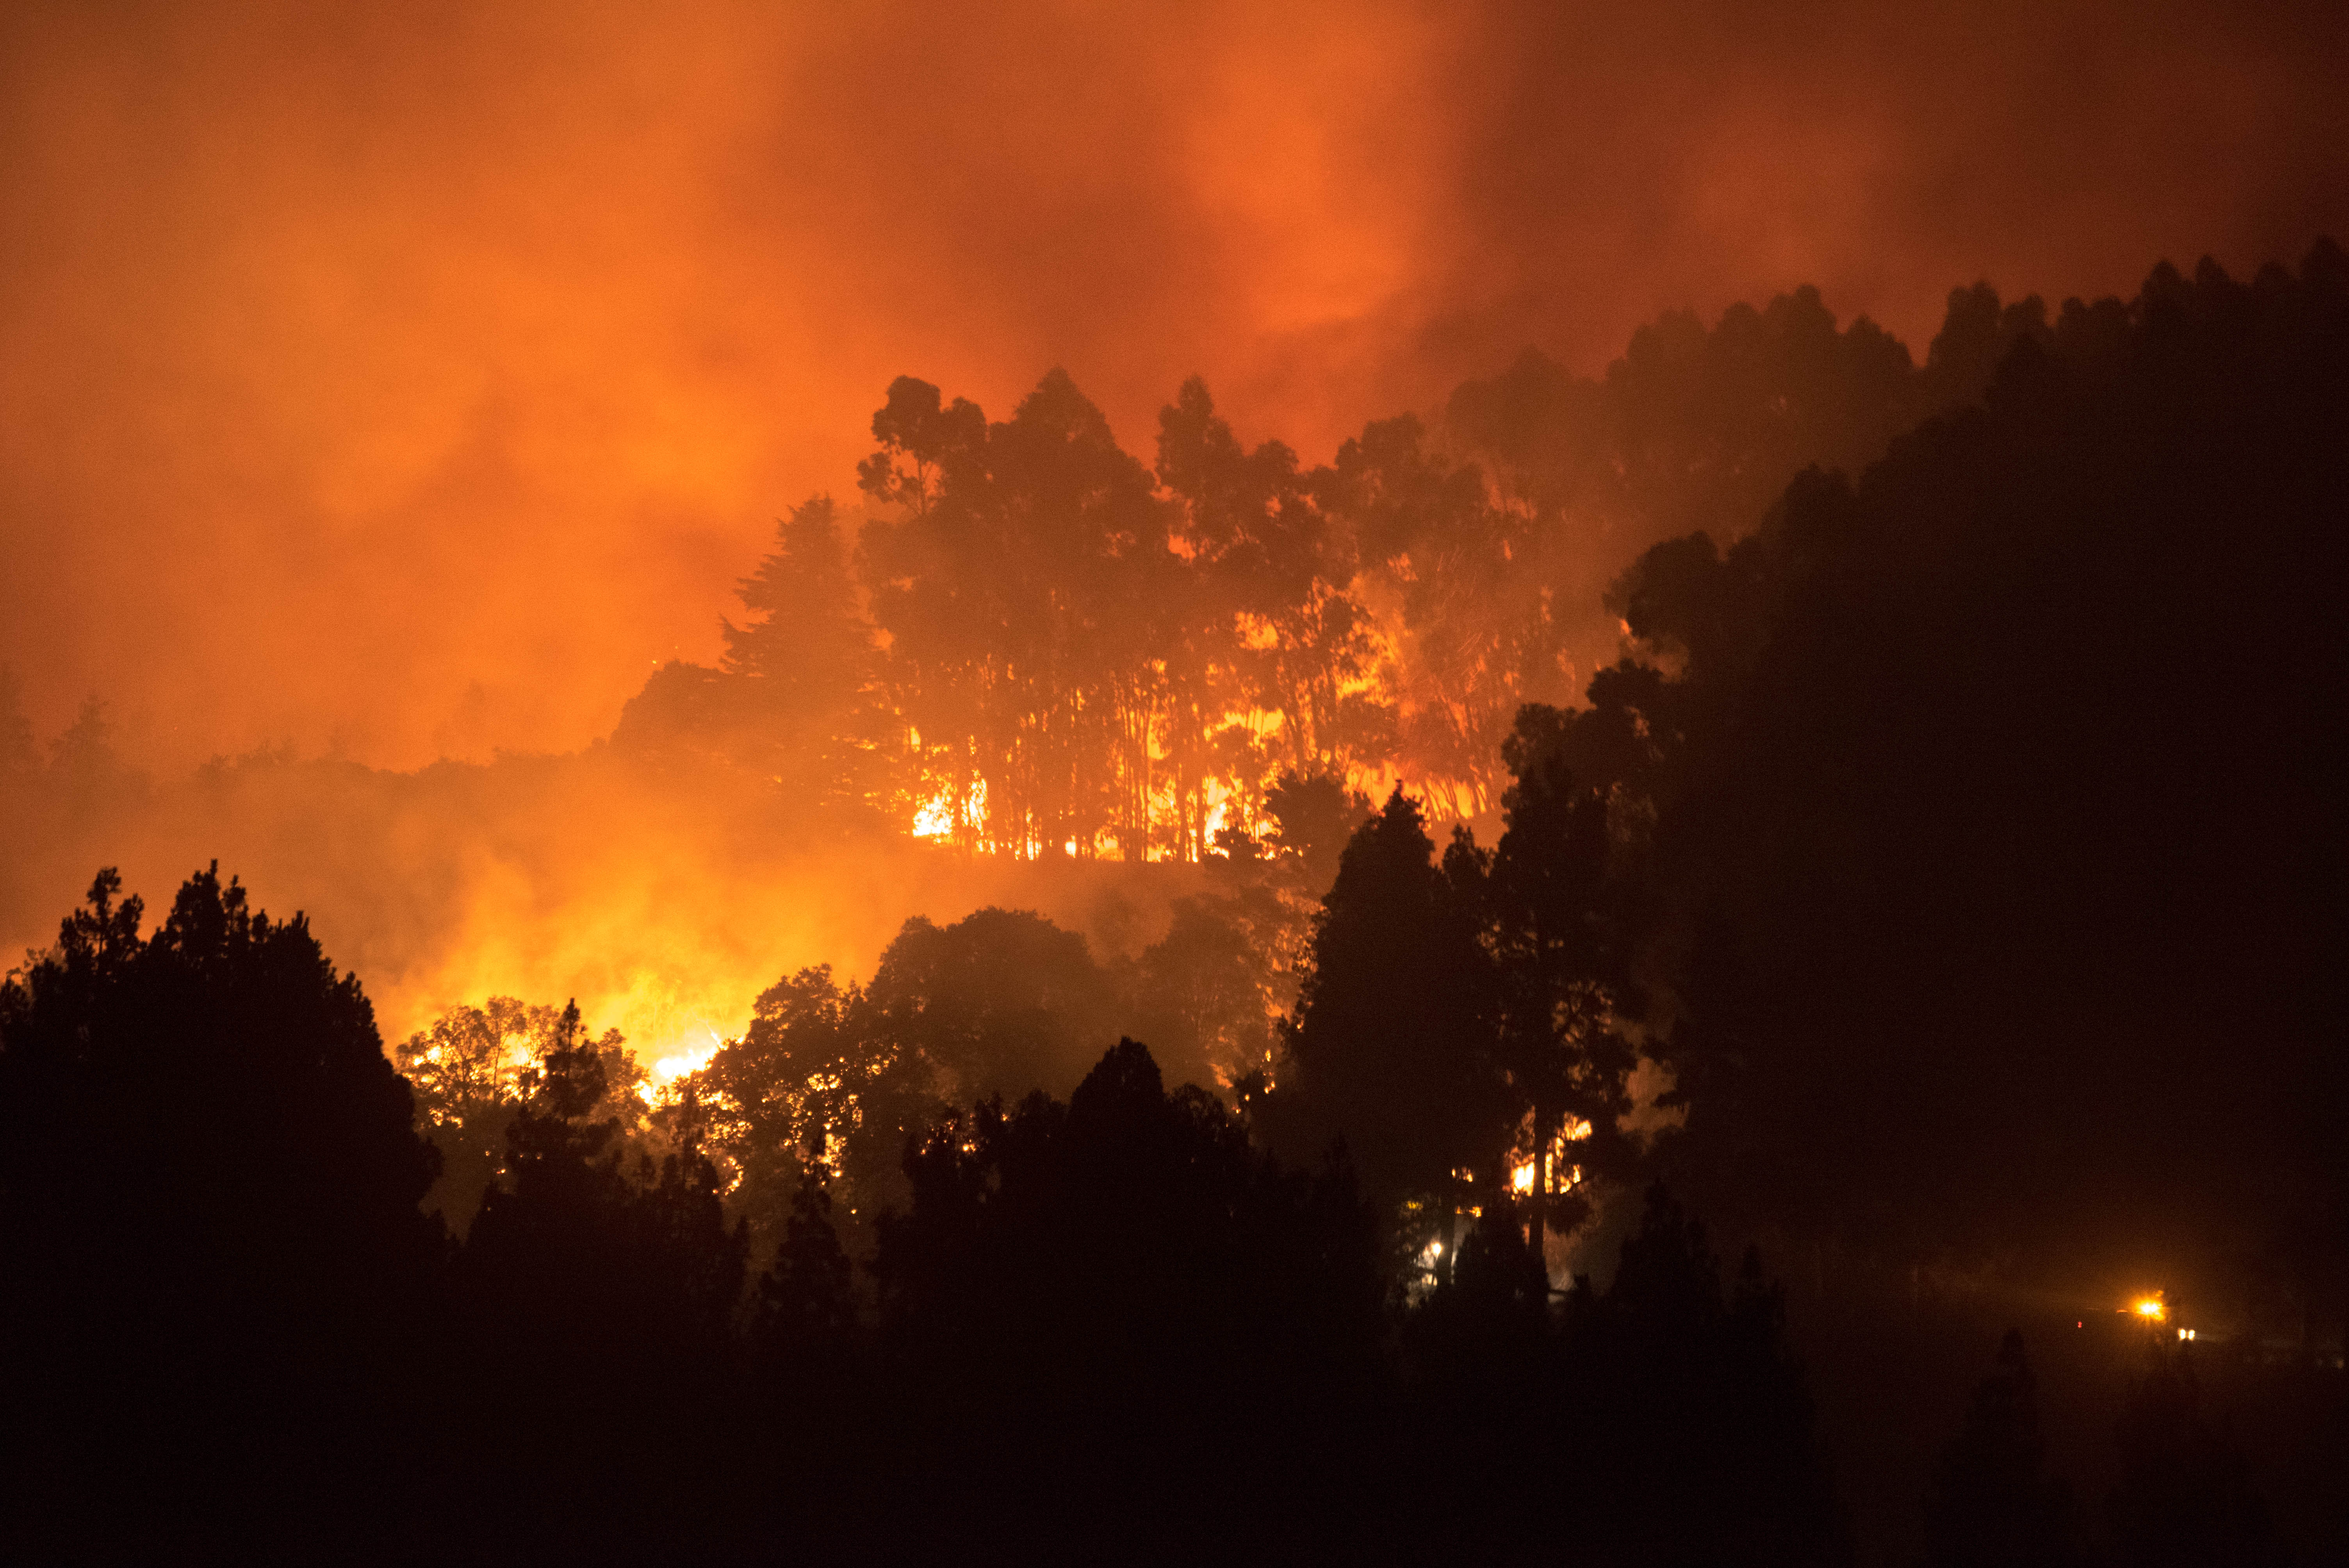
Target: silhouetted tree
x: 813, y: 1078
x: 596, y: 1305
x: 1953, y: 935
x: 1083, y: 652
x: 1273, y: 575
x: 1555, y: 916
x: 216, y: 1267
x: 1314, y: 817
x: 2183, y: 1496
x: 1692, y: 428
x: 471, y: 1070
x: 1689, y: 1414
x: 1978, y: 331
x: 1117, y: 1313
x: 1002, y: 1000
x: 1213, y: 987
x: 806, y: 1301
x: 806, y: 653
x: 1392, y: 1049
x: 1474, y: 630
x: 1993, y: 1504
x: 1017, y: 588
x: 1480, y: 1364
x: 1224, y: 495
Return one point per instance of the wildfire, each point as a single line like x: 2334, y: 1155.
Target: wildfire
x: 950, y: 809
x: 667, y: 1070
x: 1548, y: 1171
x: 959, y: 810
x: 1219, y: 799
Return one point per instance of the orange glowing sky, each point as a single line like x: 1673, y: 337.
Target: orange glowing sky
x: 407, y: 379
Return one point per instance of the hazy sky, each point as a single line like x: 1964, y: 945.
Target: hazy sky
x: 411, y: 379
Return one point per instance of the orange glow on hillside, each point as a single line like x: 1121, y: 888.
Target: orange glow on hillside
x: 409, y: 387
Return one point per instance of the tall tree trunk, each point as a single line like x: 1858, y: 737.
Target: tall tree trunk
x: 1537, y: 1221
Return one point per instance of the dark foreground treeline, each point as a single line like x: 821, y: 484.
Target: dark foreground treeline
x: 1108, y: 1328
x: 1097, y: 1329
x: 1111, y: 1325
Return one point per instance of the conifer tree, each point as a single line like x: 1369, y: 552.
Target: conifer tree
x: 1392, y: 1049
x: 806, y: 653
x: 1993, y: 1505
x: 2184, y: 1497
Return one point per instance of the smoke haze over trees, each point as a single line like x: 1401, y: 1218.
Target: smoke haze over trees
x: 1267, y: 645
x: 1212, y: 950
x: 414, y: 381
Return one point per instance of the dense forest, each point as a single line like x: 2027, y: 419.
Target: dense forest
x: 1917, y: 876
x: 1036, y: 642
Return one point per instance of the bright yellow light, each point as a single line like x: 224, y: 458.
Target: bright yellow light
x: 2152, y: 1308
x: 1530, y: 1172
x: 949, y: 810
x: 688, y: 1059
x: 935, y: 820
x: 1219, y: 799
